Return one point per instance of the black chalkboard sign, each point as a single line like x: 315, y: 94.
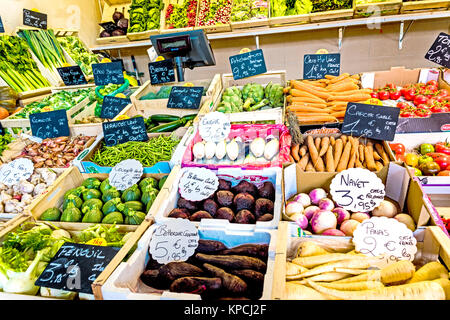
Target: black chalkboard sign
x: 2, y: 28
x: 2, y: 131
x: 248, y: 64
x: 34, y: 19
x: 371, y: 121
x: 105, y: 73
x: 161, y: 71
x: 316, y: 66
x: 185, y: 97
x: 76, y: 266
x: 72, y: 76
x: 117, y: 132
x: 112, y: 106
x: 440, y: 50
x: 50, y: 124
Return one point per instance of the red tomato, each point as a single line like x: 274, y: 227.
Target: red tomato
x: 374, y: 95
x: 438, y: 109
x: 432, y: 83
x: 423, y: 113
x: 420, y: 99
x: 422, y: 106
x: 443, y: 160
x: 409, y: 94
x: 383, y: 95
x: 443, y: 93
x: 407, y: 114
x: 443, y: 147
x: 395, y: 95
x: 397, y: 148
x: 403, y: 105
x: 391, y: 86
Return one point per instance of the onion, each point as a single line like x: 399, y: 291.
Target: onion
x: 349, y: 226
x: 309, y: 211
x: 407, y: 220
x: 323, y: 220
x: 317, y: 194
x: 360, y: 216
x: 326, y: 204
x: 385, y: 209
x: 293, y: 207
x: 300, y: 219
x: 341, y: 214
x: 333, y: 232
x: 303, y: 198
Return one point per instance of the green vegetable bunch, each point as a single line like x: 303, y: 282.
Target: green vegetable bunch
x: 145, y: 15
x: 181, y: 15
x: 243, y: 10
x: 4, y: 141
x: 78, y: 52
x: 17, y: 67
x: 328, y: 5
x: 280, y: 8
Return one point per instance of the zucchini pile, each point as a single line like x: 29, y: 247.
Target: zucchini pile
x: 97, y: 201
x: 167, y: 123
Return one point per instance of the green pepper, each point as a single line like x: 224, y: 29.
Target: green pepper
x: 430, y: 168
x: 425, y: 159
x: 426, y: 148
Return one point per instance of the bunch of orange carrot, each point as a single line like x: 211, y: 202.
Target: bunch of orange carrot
x: 324, y: 100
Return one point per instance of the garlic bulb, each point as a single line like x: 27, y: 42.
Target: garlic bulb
x: 12, y: 206
x: 27, y: 198
x: 221, y: 150
x: 257, y: 147
x: 26, y: 187
x: 271, y: 149
x: 199, y: 150
x: 232, y: 150
x: 48, y: 176
x: 39, y: 188
x: 4, y: 196
x: 210, y: 149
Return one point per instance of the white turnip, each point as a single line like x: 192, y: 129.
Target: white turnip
x: 323, y: 220
x: 316, y: 195
x: 303, y: 198
x: 360, y: 216
x: 293, y: 207
x: 407, y: 220
x: 326, y: 204
x: 333, y: 232
x: 385, y: 209
x: 341, y: 214
x: 300, y: 219
x: 309, y: 211
x: 349, y: 226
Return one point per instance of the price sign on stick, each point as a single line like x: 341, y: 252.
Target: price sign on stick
x: 174, y: 240
x: 112, y: 106
x: 385, y: 236
x: 105, y: 73
x: 248, y: 64
x: 185, y: 97
x: 34, y: 19
x: 357, y: 189
x: 50, y: 124
x: 125, y: 174
x: 440, y: 50
x: 2, y: 28
x: 72, y: 75
x: 316, y: 66
x: 215, y: 127
x: 198, y: 184
x: 14, y: 171
x: 161, y: 71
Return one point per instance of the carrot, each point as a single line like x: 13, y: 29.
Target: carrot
x: 324, y: 146
x: 337, y: 103
x: 319, y: 118
x: 337, y: 152
x: 339, y: 114
x: 329, y: 159
x: 376, y: 156
x: 344, y: 93
x: 302, y: 151
x: 339, y: 78
x: 368, y: 156
x: 308, y: 109
x: 338, y: 108
x: 295, y: 98
x: 426, y: 290
x: 301, y: 93
x: 315, y: 91
x: 309, y: 167
x: 317, y: 143
x: 313, y: 153
x: 397, y: 272
x: 307, y: 114
x: 315, y: 83
x: 344, y: 138
x: 353, y: 286
x: 286, y: 90
x: 344, y: 86
x: 382, y: 153
x: 291, y: 159
x: 345, y: 157
x: 294, y: 152
x: 351, y: 98
x: 317, y: 260
x: 308, y: 104
x: 361, y: 152
x: 329, y: 76
x: 320, y: 89
x: 430, y: 271
x: 303, y: 162
x: 355, y: 76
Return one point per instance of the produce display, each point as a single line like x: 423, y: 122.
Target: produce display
x: 5, y: 139
x: 213, y: 12
x: 26, y: 251
x: 163, y: 93
x: 54, y: 152
x: 144, y: 15
x: 214, y: 271
x: 16, y: 198
x: 315, y: 213
x: 243, y: 10
x: 168, y: 123
x: 148, y: 153
x: 117, y: 27
x: 318, y: 273
x: 243, y: 202
x: 17, y: 67
x: 324, y: 100
x: 79, y: 53
x: 427, y: 160
x: 8, y: 101
x: 281, y: 8
x: 324, y: 5
x: 96, y: 201
x: 251, y: 97
x: 181, y: 15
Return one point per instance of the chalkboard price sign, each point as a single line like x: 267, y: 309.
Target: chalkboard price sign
x: 185, y: 97
x: 248, y: 64
x: 316, y: 66
x: 112, y: 106
x: 105, y: 73
x: 440, y: 50
x: 117, y: 132
x: 34, y: 19
x: 161, y: 71
x: 50, y: 124
x: 2, y: 28
x: 72, y: 76
x: 371, y: 121
x: 76, y: 266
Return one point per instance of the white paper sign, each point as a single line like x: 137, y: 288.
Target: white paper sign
x: 381, y: 235
x: 174, y: 240
x: 125, y: 174
x: 214, y: 127
x: 198, y: 184
x: 357, y: 190
x: 14, y: 171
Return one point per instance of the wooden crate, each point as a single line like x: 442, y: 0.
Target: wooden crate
x: 385, y: 8
x: 215, y: 28
x: 249, y: 24
x: 289, y: 20
x: 107, y: 14
x: 331, y: 15
x: 424, y: 6
x: 432, y: 245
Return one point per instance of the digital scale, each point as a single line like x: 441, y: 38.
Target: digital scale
x: 189, y: 49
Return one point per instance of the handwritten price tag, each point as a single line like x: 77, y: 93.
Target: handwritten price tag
x: 215, y: 127
x: 385, y: 236
x: 440, y: 50
x: 14, y: 171
x: 174, y: 240
x: 357, y: 189
x: 198, y: 184
x: 125, y: 174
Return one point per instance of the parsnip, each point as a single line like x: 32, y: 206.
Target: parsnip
x: 329, y: 267
x: 351, y: 271
x: 314, y: 261
x: 370, y: 275
x: 327, y: 277
x: 294, y: 291
x: 294, y: 269
x: 353, y: 286
x: 397, y: 272
x: 445, y: 284
x: 309, y: 248
x: 425, y: 290
x: 430, y: 271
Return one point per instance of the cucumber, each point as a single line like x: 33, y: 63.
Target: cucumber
x: 163, y: 118
x: 168, y: 127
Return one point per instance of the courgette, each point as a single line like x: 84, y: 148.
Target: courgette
x: 189, y: 117
x: 168, y: 127
x: 163, y: 118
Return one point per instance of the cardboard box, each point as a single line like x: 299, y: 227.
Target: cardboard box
x: 398, y: 186
x: 124, y: 282
x: 432, y: 245
x: 232, y: 174
x: 400, y: 76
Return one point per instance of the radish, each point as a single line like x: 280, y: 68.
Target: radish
x: 323, y: 220
x: 317, y: 194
